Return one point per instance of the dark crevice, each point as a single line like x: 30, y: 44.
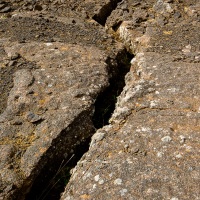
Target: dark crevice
x: 53, y: 179
x: 105, y: 11
x: 105, y: 103
x: 55, y: 173
x: 116, y: 26
x: 64, y: 153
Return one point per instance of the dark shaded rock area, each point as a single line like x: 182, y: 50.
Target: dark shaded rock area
x: 62, y: 61
x: 105, y: 103
x: 51, y: 181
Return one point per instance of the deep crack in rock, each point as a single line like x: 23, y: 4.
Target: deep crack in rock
x: 51, y: 181
x: 53, y: 178
x: 105, y: 103
x: 105, y: 11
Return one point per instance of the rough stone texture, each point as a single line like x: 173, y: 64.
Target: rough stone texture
x: 53, y: 64
x: 48, y: 107
x: 52, y: 69
x: 85, y: 8
x: 150, y: 150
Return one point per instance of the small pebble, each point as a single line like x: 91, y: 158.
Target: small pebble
x: 14, y: 56
x: 31, y: 117
x: 182, y: 139
x: 11, y: 63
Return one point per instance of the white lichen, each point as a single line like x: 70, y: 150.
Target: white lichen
x: 166, y: 139
x: 118, y: 181
x: 94, y: 186
x: 123, y: 192
x: 96, y: 178
x: 101, y: 181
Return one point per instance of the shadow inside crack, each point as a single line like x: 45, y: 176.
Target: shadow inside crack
x: 55, y: 175
x: 105, y: 103
x: 105, y: 11
x: 52, y: 180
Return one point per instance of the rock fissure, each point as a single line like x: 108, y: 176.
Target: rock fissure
x: 105, y: 11
x: 51, y: 182
x: 105, y: 103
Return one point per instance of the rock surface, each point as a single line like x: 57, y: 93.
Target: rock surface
x: 46, y: 105
x: 55, y: 59
x: 150, y: 150
x: 52, y: 70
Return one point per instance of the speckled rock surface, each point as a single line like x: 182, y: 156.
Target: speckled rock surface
x: 48, y: 107
x: 54, y: 62
x: 150, y: 150
x: 52, y: 69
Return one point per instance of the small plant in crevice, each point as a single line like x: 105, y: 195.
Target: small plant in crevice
x: 61, y: 178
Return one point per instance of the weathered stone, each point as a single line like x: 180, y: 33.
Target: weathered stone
x: 6, y: 9
x: 150, y: 149
x: 48, y: 107
x: 53, y: 65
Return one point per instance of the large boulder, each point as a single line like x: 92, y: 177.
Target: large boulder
x: 49, y: 109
